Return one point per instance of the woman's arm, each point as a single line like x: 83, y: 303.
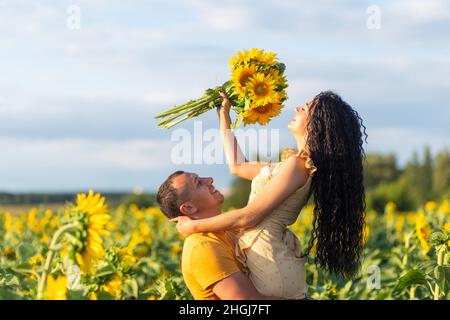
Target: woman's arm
x: 291, y: 176
x: 237, y: 163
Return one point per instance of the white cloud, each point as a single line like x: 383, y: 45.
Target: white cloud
x: 35, y: 154
x: 418, y: 11
x: 231, y: 15
x: 404, y: 141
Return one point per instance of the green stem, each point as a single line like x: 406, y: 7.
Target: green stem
x: 412, y: 293
x: 191, y: 109
x: 405, y: 257
x: 193, y: 113
x: 440, y: 262
x: 51, y: 253
x: 182, y: 107
x: 195, y: 108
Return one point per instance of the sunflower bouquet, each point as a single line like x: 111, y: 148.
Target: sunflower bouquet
x: 257, y: 90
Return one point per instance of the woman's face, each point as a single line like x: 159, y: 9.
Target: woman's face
x: 298, y: 123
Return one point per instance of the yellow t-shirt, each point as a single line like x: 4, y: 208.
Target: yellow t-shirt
x: 208, y: 258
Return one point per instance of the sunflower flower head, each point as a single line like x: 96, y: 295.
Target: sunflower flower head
x: 122, y: 259
x: 114, y: 286
x: 431, y: 206
x: 91, y: 213
x: 56, y: 288
x: 423, y: 232
x: 366, y: 234
x: 240, y: 77
x: 399, y: 224
x: 262, y: 113
x: 262, y: 89
x: 8, y: 223
x: 241, y: 57
x: 268, y: 57
x: 246, y: 56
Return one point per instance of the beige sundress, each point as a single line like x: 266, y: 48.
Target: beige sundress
x: 270, y: 253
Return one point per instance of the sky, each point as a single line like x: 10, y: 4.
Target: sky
x: 77, y: 101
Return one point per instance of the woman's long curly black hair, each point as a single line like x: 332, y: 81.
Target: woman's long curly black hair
x: 335, y: 137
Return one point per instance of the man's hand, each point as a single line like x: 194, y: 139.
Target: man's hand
x: 225, y: 106
x: 185, y: 225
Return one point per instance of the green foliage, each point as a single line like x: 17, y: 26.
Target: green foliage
x: 238, y: 197
x: 420, y: 180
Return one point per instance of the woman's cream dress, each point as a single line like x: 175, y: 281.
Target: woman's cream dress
x: 270, y: 253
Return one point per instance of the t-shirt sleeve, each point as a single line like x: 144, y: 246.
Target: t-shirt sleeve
x: 211, y: 262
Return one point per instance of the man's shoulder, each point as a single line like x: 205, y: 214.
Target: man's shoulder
x: 198, y: 240
x: 202, y: 238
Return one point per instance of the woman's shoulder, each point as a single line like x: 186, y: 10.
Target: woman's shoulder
x: 302, y: 155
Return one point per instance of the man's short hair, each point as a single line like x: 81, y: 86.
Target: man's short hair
x: 169, y: 198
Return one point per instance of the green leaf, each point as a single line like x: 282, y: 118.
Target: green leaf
x: 25, y: 251
x: 412, y: 277
x: 131, y: 288
x: 106, y: 270
x: 442, y: 275
x: 428, y: 266
x: 9, y: 295
x: 76, y: 295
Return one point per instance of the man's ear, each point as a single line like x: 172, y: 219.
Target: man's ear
x: 188, y: 209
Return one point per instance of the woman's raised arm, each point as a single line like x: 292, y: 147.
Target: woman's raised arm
x: 237, y: 163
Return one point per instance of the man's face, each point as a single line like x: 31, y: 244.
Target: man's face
x: 201, y: 195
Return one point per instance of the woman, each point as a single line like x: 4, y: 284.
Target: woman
x: 328, y: 166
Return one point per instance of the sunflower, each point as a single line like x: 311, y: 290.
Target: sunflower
x: 447, y: 229
x: 256, y: 54
x: 114, y: 286
x: 245, y: 56
x: 262, y: 114
x: 268, y: 57
x: 240, y: 77
x: 431, y: 206
x: 280, y: 79
x: 96, y: 217
x: 423, y: 232
x: 241, y: 57
x: 399, y: 225
x: 366, y: 234
x: 262, y: 89
x: 56, y: 288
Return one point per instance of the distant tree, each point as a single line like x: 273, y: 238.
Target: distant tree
x: 441, y: 174
x: 427, y: 174
x: 240, y: 191
x: 143, y: 200
x: 396, y: 191
x: 380, y: 168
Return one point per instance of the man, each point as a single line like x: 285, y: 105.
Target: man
x: 209, y: 265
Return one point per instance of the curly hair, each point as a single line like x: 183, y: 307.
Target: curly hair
x: 335, y: 137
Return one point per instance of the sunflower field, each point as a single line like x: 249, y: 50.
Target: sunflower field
x: 88, y: 251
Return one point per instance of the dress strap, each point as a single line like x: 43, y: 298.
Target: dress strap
x: 309, y: 162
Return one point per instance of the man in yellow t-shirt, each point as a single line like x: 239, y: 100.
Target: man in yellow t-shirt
x: 209, y: 264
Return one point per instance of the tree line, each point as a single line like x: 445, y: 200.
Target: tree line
x: 423, y: 178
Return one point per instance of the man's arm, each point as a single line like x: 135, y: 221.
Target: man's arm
x: 238, y: 287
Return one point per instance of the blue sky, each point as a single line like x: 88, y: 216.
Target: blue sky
x: 77, y: 106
